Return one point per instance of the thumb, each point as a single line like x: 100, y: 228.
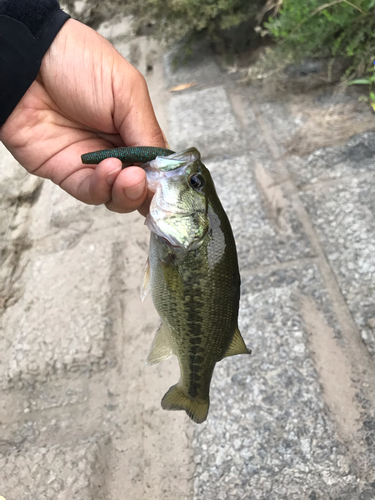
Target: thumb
x: 133, y: 114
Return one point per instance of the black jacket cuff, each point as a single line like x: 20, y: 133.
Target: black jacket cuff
x: 21, y: 53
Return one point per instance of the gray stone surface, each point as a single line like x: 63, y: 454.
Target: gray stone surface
x: 266, y: 229
x: 15, y: 182
x: 54, y: 472
x: 18, y: 192
x: 354, y: 157
x: 282, y: 120
x: 344, y: 217
x: 277, y: 440
x: 204, y: 119
x: 61, y: 322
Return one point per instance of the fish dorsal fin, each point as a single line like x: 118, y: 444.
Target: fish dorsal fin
x: 160, y: 348
x: 237, y: 346
x: 145, y: 285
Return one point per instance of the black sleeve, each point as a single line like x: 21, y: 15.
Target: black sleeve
x: 27, y: 29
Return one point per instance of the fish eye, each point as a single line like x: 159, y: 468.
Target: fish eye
x: 197, y: 181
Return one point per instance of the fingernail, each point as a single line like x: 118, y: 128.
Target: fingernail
x: 111, y: 176
x: 135, y: 192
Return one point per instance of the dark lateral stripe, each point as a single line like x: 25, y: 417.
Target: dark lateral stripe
x: 195, y: 340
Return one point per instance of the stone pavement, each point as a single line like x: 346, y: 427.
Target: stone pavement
x: 80, y: 414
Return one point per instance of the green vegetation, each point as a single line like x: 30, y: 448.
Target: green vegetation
x: 370, y: 81
x: 226, y: 22
x: 333, y: 29
x: 300, y: 28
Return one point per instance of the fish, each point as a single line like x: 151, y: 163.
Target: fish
x: 191, y: 272
x: 193, y: 276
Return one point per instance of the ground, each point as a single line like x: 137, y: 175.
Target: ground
x: 80, y: 413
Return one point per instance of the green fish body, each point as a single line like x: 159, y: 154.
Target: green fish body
x: 193, y: 276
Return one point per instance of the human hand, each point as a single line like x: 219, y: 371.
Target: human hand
x: 86, y: 97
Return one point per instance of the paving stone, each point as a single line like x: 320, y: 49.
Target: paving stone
x: 59, y: 221
x: 17, y: 188
x: 269, y: 435
x: 254, y: 136
x: 356, y: 156
x: 267, y: 231
x: 18, y: 191
x: 282, y: 121
x: 205, y: 120
x: 15, y: 181
x: 61, y: 322
x: 64, y: 210
x: 198, y: 67
x: 54, y: 472
x: 343, y: 216
x: 56, y: 394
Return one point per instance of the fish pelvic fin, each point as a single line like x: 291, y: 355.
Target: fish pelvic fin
x: 177, y: 399
x: 160, y: 348
x: 237, y: 346
x: 145, y: 285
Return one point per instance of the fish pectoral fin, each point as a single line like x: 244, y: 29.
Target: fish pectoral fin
x: 160, y: 348
x: 145, y: 285
x: 237, y: 346
x: 177, y: 399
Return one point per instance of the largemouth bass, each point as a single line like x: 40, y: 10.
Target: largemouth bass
x: 192, y: 273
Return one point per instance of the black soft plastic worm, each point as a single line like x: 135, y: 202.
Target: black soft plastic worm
x: 138, y: 154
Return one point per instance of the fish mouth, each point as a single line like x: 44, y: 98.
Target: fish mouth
x: 173, y: 161
x: 168, y: 166
x: 173, y: 216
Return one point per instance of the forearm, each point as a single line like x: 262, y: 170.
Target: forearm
x: 27, y: 29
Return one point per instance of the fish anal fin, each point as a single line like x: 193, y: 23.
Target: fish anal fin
x: 177, y: 399
x: 237, y: 346
x: 145, y: 285
x: 160, y: 348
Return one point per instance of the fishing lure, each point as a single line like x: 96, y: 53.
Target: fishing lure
x: 135, y: 154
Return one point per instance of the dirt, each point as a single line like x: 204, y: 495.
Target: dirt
x: 334, y: 371
x: 328, y: 127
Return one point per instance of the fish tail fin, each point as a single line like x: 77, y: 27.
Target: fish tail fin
x: 177, y: 399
